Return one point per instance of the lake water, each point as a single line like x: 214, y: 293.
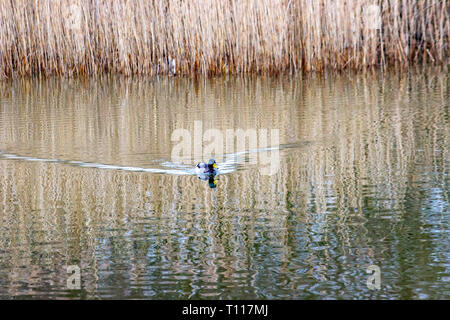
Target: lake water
x: 88, y: 178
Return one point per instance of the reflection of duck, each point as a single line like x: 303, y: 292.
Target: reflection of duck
x: 212, y: 182
x: 208, y: 171
x: 207, y: 168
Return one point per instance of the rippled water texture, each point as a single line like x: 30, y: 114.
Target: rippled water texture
x: 87, y: 178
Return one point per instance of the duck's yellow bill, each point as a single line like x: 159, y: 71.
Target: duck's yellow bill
x: 215, y: 166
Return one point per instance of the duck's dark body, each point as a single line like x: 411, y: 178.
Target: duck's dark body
x: 207, y: 168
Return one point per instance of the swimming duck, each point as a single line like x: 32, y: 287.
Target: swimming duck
x: 209, y: 168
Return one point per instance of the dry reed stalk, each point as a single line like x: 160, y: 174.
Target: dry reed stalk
x: 209, y: 37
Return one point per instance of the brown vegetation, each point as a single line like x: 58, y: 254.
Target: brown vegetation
x: 87, y: 37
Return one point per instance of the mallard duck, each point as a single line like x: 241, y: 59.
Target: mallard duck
x: 209, y: 168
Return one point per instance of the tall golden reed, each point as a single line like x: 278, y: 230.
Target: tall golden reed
x: 86, y: 37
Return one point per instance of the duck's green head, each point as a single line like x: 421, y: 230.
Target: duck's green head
x: 212, y: 164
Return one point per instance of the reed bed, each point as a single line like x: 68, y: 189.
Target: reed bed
x: 209, y: 37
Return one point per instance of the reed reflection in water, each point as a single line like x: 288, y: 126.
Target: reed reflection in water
x: 363, y: 179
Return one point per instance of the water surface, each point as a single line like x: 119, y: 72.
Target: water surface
x: 87, y: 178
